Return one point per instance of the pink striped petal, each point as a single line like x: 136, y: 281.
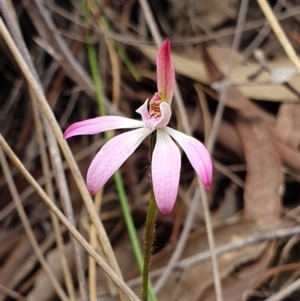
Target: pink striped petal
x: 111, y: 156
x: 166, y: 163
x: 165, y: 72
x: 101, y: 124
x: 196, y: 153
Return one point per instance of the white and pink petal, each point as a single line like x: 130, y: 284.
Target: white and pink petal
x: 165, y: 169
x: 101, y: 124
x: 111, y: 156
x: 165, y: 117
x: 196, y: 153
x: 143, y: 111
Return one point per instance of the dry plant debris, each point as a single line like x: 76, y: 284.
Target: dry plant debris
x: 255, y: 197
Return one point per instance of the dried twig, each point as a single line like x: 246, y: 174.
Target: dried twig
x: 263, y: 33
x: 8, y: 292
x: 94, y: 244
x: 285, y: 43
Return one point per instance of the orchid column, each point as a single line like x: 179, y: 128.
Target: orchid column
x: 166, y: 159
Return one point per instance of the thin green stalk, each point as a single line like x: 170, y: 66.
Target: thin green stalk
x: 128, y: 220
x: 92, y: 58
x: 122, y: 54
x: 149, y: 237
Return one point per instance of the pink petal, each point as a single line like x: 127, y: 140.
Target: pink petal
x: 166, y: 114
x: 100, y: 124
x: 143, y: 111
x: 165, y: 72
x: 196, y: 153
x: 155, y: 122
x: 111, y: 156
x: 166, y: 163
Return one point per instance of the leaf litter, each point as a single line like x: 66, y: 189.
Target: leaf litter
x: 257, y: 142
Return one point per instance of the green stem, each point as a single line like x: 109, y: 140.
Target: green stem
x: 149, y: 237
x: 128, y: 220
x: 150, y: 231
x: 122, y: 54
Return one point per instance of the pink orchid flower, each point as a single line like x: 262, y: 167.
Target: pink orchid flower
x: 166, y: 158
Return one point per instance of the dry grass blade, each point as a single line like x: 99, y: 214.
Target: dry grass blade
x: 263, y: 33
x: 8, y: 292
x: 43, y: 23
x: 28, y: 229
x: 65, y: 149
x: 50, y: 192
x: 64, y: 194
x: 55, y: 157
x: 290, y: 51
x: 94, y: 244
x: 106, y: 268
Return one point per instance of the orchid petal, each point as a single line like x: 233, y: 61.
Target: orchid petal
x: 166, y: 163
x: 165, y: 117
x: 101, y: 124
x: 111, y: 156
x: 165, y: 72
x: 143, y: 111
x: 196, y: 153
x: 151, y: 122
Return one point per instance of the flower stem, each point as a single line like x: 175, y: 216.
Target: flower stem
x: 150, y: 231
x: 149, y: 236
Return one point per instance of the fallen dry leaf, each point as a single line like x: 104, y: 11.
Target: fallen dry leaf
x: 288, y: 124
x: 235, y: 287
x: 264, y: 176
